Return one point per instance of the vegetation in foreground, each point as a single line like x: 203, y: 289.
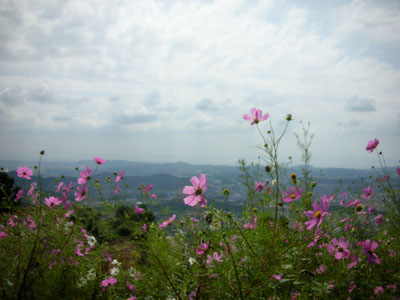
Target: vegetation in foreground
x: 287, y: 244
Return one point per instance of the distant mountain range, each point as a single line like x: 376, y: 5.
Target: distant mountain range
x: 170, y: 178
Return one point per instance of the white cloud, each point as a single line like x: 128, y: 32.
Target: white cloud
x: 196, y: 67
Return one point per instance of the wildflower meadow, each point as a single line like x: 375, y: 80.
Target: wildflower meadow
x: 76, y: 242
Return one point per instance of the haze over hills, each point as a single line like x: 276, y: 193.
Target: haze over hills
x: 172, y: 177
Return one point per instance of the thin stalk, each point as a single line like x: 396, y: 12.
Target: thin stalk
x: 165, y: 273
x: 235, y: 268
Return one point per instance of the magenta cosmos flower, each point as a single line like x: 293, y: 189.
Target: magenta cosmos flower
x: 52, y: 201
x: 167, y: 222
x: 202, y: 249
x: 372, y: 145
x: 120, y: 176
x: 256, y: 116
x: 367, y: 192
x: 85, y: 175
x: 138, y: 210
x: 259, y: 186
x: 196, y: 191
x: 24, y: 172
x: 340, y: 248
x: 320, y: 211
x: 81, y: 192
x: 108, y: 282
x: 369, y: 251
x: 292, y: 194
x: 99, y: 161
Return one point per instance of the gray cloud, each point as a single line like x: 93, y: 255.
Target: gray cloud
x: 207, y: 104
x: 357, y: 104
x: 152, y: 98
x: 12, y: 96
x: 135, y: 119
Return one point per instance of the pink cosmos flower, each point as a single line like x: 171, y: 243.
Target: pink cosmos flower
x: 144, y: 228
x: 19, y: 195
x: 320, y: 211
x: 24, y: 172
x: 99, y: 161
x: 138, y: 210
x: 214, y: 257
x: 354, y: 260
x: 277, y: 277
x: 321, y: 269
x: 166, y: 223
x: 340, y: 248
x: 378, y: 290
x: 130, y: 286
x: 367, y: 193
x: 108, y: 282
x: 196, y: 191
x: 120, y: 176
x: 379, y: 219
x: 116, y: 190
x: 3, y: 235
x: 108, y: 257
x: 154, y: 196
x: 249, y: 225
x: 371, y: 210
x: 259, y: 186
x: 352, y: 286
x: 147, y: 188
x: 85, y: 175
x: 202, y: 249
x: 398, y: 171
x: 52, y: 201
x: 256, y: 116
x: 81, y: 192
x: 292, y: 194
x: 369, y: 251
x: 372, y: 145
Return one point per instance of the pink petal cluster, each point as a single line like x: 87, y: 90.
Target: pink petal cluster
x: 367, y: 193
x: 52, y: 201
x: 167, y: 222
x: 196, y: 191
x: 214, y: 257
x: 99, y: 161
x: 202, y: 249
x: 259, y: 186
x: 85, y: 175
x: 251, y: 225
x: 369, y: 251
x: 320, y: 211
x: 138, y: 210
x: 24, y: 172
x: 292, y: 194
x: 340, y: 248
x: 147, y: 188
x: 120, y: 176
x: 19, y: 195
x: 108, y: 282
x: 81, y: 192
x: 256, y: 116
x: 372, y: 145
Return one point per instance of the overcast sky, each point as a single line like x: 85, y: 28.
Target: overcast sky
x: 165, y: 81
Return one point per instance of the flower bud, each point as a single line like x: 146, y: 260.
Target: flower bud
x: 313, y: 184
x: 42, y: 152
x: 288, y: 117
x: 268, y: 169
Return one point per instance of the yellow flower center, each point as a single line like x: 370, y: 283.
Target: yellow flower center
x: 317, y: 214
x: 292, y: 196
